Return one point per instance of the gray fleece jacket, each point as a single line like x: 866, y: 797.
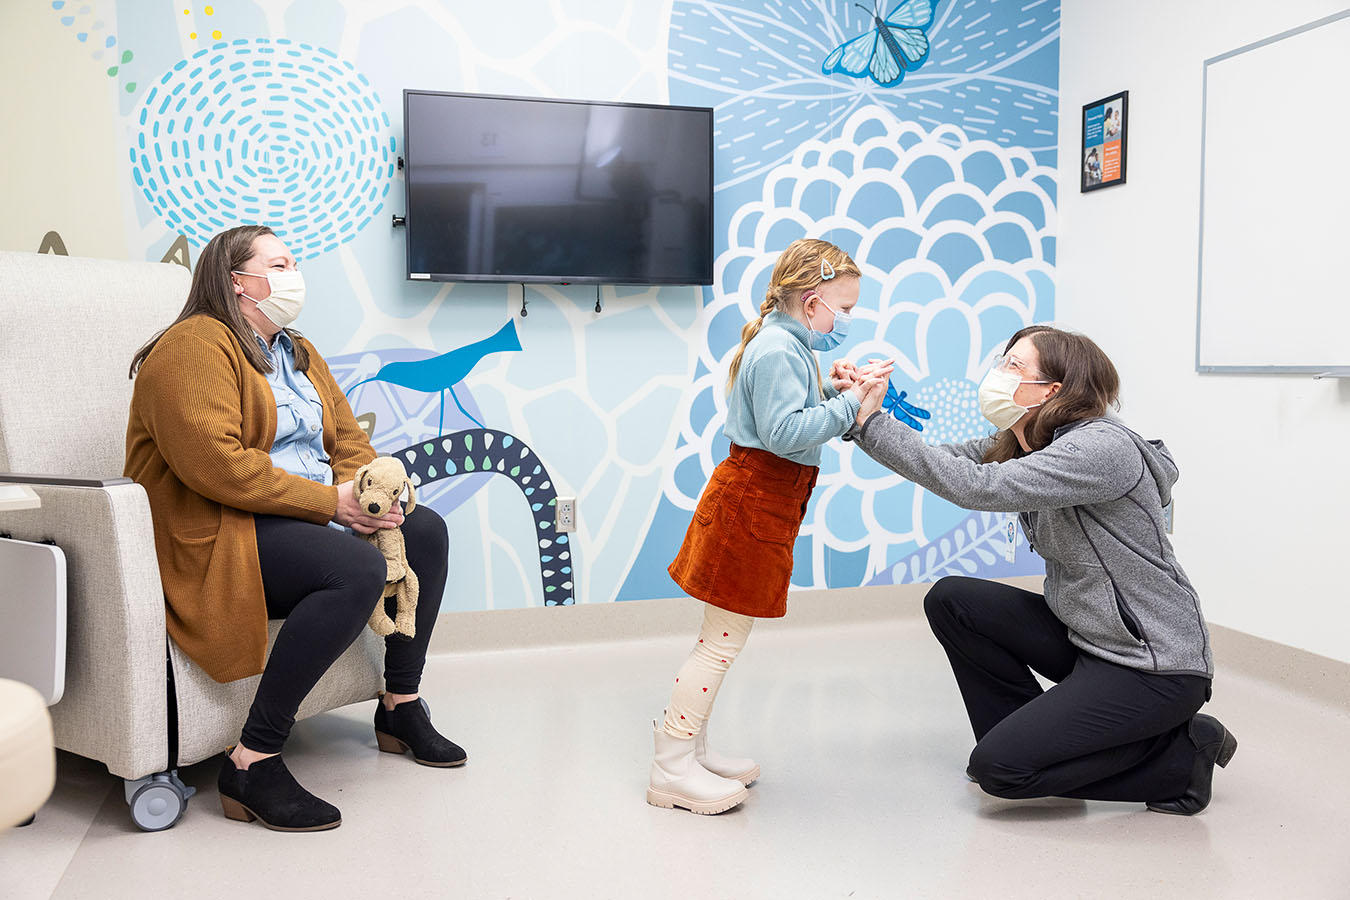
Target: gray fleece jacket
x: 1091, y: 505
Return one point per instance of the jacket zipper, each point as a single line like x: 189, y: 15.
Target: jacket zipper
x: 1131, y: 619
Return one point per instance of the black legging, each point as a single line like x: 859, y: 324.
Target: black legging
x: 325, y: 584
x: 1103, y: 732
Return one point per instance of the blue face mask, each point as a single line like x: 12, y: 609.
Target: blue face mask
x: 835, y: 336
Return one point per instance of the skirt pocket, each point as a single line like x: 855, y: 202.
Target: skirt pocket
x: 775, y: 518
x: 714, y: 495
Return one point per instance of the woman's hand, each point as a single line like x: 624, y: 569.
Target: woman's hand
x: 843, y: 374
x: 350, y: 514
x: 871, y: 387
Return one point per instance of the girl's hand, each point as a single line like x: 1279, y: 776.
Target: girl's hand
x: 843, y: 374
x: 349, y: 513
x: 875, y: 365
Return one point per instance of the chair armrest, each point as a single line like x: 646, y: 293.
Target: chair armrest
x: 115, y: 707
x: 64, y: 480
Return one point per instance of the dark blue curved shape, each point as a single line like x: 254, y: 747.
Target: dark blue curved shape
x: 488, y: 452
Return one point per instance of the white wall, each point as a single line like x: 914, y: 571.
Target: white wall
x: 1260, y: 522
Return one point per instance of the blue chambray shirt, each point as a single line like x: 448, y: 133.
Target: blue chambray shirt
x: 298, y: 447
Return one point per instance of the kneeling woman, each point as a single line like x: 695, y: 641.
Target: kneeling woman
x: 1119, y: 628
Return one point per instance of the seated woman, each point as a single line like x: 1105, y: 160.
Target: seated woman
x: 1119, y: 628
x: 247, y: 449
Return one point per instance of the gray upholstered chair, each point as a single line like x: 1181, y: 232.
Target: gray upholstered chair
x: 133, y: 700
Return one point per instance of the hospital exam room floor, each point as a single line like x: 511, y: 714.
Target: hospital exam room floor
x: 862, y: 739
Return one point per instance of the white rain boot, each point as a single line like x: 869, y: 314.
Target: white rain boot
x: 678, y: 780
x: 746, y: 771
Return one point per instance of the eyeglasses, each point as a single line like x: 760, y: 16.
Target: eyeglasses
x: 1016, y: 366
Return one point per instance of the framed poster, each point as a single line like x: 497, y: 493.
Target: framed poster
x: 1105, y: 127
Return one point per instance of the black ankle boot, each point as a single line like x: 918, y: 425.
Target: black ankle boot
x: 1216, y: 746
x: 267, y: 791
x: 408, y: 727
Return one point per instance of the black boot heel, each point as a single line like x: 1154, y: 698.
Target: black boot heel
x: 1215, y: 745
x: 407, y: 727
x: 1227, y: 750
x: 267, y: 791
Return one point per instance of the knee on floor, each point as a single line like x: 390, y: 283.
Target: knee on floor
x: 996, y: 776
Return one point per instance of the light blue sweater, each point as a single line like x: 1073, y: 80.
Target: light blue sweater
x: 775, y: 404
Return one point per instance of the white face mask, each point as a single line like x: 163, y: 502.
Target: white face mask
x: 283, y: 305
x: 996, y: 398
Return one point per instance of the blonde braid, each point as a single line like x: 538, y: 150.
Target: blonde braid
x: 748, y: 332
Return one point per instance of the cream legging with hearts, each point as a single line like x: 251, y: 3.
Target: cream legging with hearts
x: 723, y: 635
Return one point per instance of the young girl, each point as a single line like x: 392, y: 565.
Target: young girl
x: 737, y: 553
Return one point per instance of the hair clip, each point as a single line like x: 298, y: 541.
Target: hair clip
x: 824, y: 268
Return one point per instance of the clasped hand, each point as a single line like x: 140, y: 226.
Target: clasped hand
x: 862, y: 380
x: 868, y: 382
x: 350, y: 513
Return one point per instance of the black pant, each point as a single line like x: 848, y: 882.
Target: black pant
x: 325, y: 584
x: 1103, y: 732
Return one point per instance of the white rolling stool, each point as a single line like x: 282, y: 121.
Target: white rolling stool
x: 27, y: 753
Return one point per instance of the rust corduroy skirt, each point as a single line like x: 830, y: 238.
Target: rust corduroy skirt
x: 737, y: 553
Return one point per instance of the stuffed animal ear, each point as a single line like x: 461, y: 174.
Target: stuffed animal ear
x: 356, y: 479
x: 412, y: 496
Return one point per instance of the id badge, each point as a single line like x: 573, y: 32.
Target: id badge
x: 1010, y: 539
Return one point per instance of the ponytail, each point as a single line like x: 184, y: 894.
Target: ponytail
x: 748, y: 332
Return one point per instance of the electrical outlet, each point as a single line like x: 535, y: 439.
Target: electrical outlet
x: 566, y: 516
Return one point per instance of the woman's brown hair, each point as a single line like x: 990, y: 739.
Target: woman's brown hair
x: 1089, y: 385
x: 796, y: 272
x: 212, y: 294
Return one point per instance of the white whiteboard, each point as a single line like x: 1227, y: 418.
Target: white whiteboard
x: 1274, y: 283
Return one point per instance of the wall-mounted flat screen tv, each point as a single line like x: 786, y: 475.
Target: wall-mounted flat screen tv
x: 533, y: 190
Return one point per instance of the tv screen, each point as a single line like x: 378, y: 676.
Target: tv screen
x: 521, y: 189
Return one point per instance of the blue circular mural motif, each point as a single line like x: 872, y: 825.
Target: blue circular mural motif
x: 270, y: 132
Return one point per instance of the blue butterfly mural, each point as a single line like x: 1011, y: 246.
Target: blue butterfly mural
x: 895, y: 405
x: 897, y: 44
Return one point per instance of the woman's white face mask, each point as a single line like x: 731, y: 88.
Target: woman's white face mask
x: 997, y: 392
x: 282, y: 306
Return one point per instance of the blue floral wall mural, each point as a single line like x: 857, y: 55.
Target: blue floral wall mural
x: 940, y: 182
x: 918, y: 134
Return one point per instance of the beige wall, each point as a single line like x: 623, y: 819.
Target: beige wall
x: 59, y: 159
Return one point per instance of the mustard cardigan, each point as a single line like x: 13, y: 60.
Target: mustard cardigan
x: 201, y: 427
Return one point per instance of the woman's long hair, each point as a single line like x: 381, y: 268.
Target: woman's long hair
x: 797, y: 271
x: 1089, y: 385
x: 212, y: 294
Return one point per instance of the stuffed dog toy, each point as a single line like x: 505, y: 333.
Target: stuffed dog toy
x: 379, y: 485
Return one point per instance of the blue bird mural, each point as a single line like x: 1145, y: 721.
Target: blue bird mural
x: 440, y: 373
